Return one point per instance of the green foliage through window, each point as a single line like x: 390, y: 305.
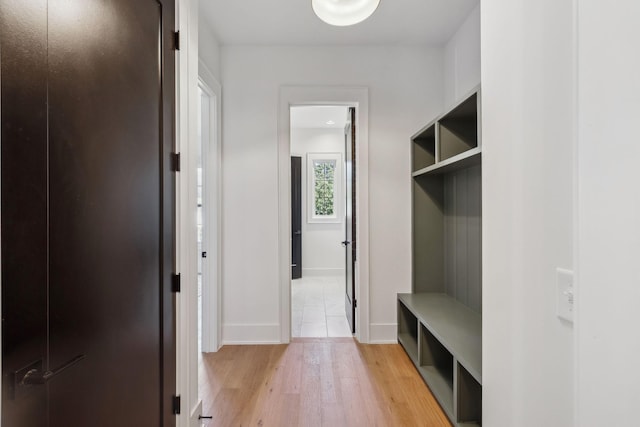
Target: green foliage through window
x: 324, y: 177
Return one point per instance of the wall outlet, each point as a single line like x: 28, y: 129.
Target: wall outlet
x: 564, y: 285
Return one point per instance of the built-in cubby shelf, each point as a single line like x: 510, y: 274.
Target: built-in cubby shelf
x: 424, y: 147
x: 451, y: 324
x: 458, y: 128
x: 451, y: 141
x: 436, y: 367
x: 440, y: 322
x: 448, y: 351
x: 408, y: 332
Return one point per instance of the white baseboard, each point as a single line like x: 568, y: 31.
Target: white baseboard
x: 314, y: 272
x: 383, y: 333
x: 245, y: 334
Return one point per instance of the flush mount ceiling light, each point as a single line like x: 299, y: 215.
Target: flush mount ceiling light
x: 342, y: 13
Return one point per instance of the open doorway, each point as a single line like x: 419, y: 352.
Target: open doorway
x: 207, y: 209
x: 321, y: 215
x: 357, y: 97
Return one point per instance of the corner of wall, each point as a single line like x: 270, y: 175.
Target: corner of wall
x: 209, y: 48
x: 462, y: 59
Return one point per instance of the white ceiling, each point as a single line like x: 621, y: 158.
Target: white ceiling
x: 316, y: 117
x: 292, y: 22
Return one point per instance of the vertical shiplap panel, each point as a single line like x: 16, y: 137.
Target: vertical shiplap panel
x: 474, y: 238
x: 428, y: 234
x: 460, y: 236
x: 449, y: 229
x: 463, y: 236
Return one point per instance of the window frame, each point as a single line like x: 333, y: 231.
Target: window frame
x: 338, y: 180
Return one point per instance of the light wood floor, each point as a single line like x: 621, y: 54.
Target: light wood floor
x: 315, y: 382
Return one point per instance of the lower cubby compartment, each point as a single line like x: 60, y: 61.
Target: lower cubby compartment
x: 469, y: 398
x: 436, y: 367
x: 443, y: 339
x: 408, y: 331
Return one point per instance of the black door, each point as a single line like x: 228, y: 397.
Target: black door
x: 296, y: 217
x: 350, y: 220
x: 87, y: 222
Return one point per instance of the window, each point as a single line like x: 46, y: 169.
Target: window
x: 324, y: 175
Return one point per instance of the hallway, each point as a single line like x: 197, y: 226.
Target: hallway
x: 315, y: 382
x: 317, y: 307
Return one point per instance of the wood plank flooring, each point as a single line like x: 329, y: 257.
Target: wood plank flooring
x: 315, y: 382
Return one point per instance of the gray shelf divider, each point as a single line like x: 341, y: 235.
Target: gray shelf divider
x: 461, y: 161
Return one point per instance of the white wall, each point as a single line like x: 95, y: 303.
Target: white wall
x: 528, y: 132
x: 322, y: 253
x: 609, y: 211
x: 209, y: 47
x: 405, y: 92
x: 462, y: 60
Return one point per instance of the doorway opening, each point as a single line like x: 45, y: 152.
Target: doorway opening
x: 321, y: 215
x: 358, y: 98
x: 207, y: 212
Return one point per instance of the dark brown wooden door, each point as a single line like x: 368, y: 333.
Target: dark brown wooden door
x: 87, y: 212
x: 296, y: 217
x: 350, y: 235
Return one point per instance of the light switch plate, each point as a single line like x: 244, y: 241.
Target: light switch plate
x: 564, y: 282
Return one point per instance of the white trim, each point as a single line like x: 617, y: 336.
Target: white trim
x: 338, y: 183
x: 246, y: 334
x: 384, y: 333
x: 187, y: 99
x: 211, y: 289
x: 323, y: 95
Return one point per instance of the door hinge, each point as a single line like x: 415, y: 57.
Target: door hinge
x: 176, y: 405
x: 175, y: 283
x: 176, y: 40
x: 355, y: 303
x: 175, y: 162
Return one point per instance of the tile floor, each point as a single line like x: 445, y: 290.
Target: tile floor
x: 317, y: 307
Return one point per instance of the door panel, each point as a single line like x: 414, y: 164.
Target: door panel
x: 350, y: 219
x: 23, y: 75
x: 296, y: 217
x: 109, y: 213
x: 105, y: 151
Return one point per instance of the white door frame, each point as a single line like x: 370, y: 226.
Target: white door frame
x: 320, y: 95
x: 211, y: 269
x: 187, y: 100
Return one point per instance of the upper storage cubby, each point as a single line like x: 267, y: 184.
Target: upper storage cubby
x: 451, y: 142
x: 459, y: 128
x: 424, y: 147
